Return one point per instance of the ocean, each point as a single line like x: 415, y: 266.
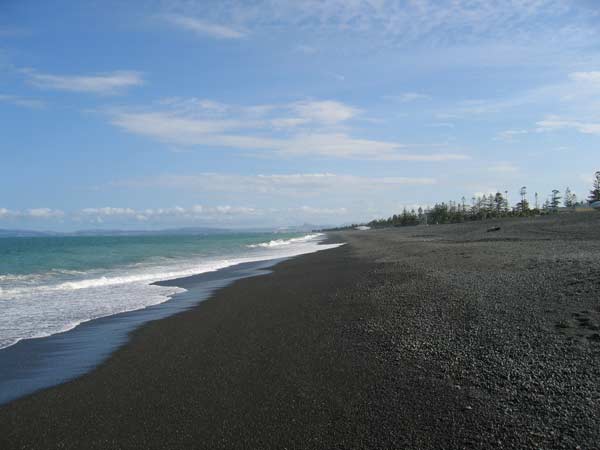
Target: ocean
x: 50, y: 285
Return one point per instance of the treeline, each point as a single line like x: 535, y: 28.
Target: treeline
x: 487, y: 207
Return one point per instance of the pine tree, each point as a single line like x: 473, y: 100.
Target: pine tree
x: 523, y: 205
x: 555, y: 200
x: 546, y: 206
x: 570, y: 199
x: 498, y: 202
x: 595, y: 192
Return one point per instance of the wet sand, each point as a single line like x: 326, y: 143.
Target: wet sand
x: 441, y: 337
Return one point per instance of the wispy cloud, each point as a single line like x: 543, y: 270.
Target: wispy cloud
x: 274, y: 184
x: 327, y: 112
x: 204, y: 28
x: 44, y: 213
x: 306, y: 49
x: 557, y: 123
x: 107, y: 83
x: 194, y: 212
x: 480, y: 107
x: 33, y: 213
x: 312, y: 127
x: 503, y: 168
x: 593, y: 77
x: 175, y: 214
x: 407, y: 97
x: 577, y: 92
x: 22, y: 101
x: 337, y: 76
x: 399, y: 22
x: 510, y: 135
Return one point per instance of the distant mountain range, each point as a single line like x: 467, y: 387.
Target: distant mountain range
x: 24, y: 233
x: 189, y: 231
x: 177, y: 231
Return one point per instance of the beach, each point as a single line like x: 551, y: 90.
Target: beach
x: 439, y: 337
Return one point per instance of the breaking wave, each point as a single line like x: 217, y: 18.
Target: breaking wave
x: 280, y: 242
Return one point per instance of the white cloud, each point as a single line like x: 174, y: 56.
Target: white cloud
x: 108, y: 83
x: 441, y: 125
x: 195, y: 212
x: 204, y: 28
x: 338, y: 145
x: 108, y: 211
x: 175, y: 128
x: 337, y: 76
x: 510, y: 135
x: 44, y: 213
x: 394, y: 21
x: 479, y: 107
x: 177, y: 215
x: 22, y: 102
x: 327, y: 112
x: 434, y: 157
x: 33, y: 213
x: 276, y: 184
x: 299, y: 128
x: 586, y: 77
x: 407, y: 97
x: 320, y: 211
x: 577, y: 92
x: 503, y: 168
x: 319, y: 196
x: 557, y: 123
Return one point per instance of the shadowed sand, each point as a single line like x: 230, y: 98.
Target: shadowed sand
x: 442, y: 337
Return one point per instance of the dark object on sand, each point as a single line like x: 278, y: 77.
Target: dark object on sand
x: 490, y: 230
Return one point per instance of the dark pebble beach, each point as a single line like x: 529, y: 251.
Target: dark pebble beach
x: 472, y: 336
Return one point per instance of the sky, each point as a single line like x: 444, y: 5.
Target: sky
x: 158, y: 114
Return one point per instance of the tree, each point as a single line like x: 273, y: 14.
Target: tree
x: 570, y: 198
x: 546, y: 206
x: 498, y: 202
x: 523, y: 205
x: 555, y: 199
x: 595, y: 192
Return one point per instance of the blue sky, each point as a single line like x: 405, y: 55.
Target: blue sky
x: 153, y: 114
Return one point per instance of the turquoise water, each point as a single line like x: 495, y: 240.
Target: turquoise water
x: 20, y: 256
x: 51, y: 284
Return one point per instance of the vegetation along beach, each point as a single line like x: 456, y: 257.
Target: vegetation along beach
x: 418, y: 337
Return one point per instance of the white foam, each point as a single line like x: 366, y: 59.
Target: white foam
x: 280, y: 242
x: 40, y: 305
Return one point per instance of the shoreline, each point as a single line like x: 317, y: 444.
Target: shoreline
x: 34, y: 364
x: 425, y: 338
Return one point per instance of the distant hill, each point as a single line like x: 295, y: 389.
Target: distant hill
x: 188, y: 231
x: 192, y: 231
x: 307, y: 227
x: 24, y: 233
